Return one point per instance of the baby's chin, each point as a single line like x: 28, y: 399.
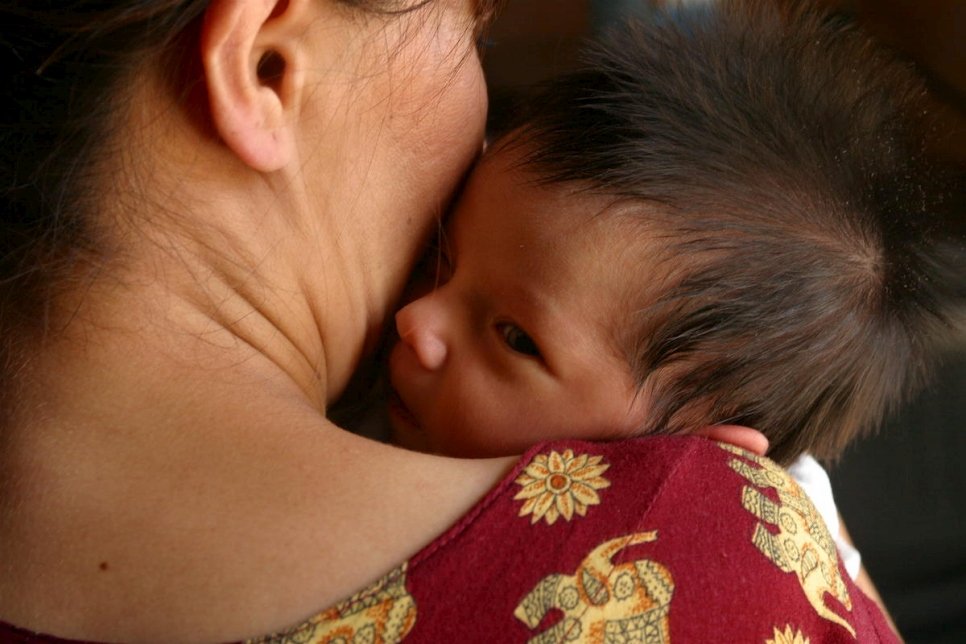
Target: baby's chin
x: 407, y: 432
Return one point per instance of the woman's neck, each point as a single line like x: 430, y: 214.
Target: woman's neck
x: 252, y: 276
x: 145, y: 354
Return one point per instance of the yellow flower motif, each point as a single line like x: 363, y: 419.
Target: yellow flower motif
x: 788, y: 637
x: 555, y: 485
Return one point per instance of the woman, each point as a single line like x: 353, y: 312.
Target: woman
x: 210, y: 210
x: 234, y: 291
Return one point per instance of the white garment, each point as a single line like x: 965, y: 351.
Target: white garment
x: 811, y: 476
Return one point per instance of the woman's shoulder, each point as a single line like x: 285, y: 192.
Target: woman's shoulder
x: 239, y: 527
x: 644, y: 539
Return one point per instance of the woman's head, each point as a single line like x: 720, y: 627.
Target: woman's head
x: 358, y: 117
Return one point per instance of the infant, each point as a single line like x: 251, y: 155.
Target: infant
x: 719, y: 220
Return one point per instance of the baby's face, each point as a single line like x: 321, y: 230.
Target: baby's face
x: 519, y: 341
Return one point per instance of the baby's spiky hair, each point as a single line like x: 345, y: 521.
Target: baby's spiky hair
x: 793, y: 207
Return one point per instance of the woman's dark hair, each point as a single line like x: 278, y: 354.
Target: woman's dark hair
x: 792, y: 203
x: 64, y: 66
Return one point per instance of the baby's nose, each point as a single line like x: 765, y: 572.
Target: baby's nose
x: 420, y: 324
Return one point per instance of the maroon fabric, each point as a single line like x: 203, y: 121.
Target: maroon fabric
x: 468, y: 584
x: 667, y: 539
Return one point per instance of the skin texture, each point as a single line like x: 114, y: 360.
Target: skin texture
x: 172, y: 475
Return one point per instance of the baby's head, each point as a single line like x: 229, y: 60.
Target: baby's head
x: 519, y: 342
x: 720, y: 219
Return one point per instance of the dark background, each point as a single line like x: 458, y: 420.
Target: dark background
x: 903, y: 491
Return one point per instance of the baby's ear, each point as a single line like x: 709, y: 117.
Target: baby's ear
x: 744, y: 437
x: 250, y: 53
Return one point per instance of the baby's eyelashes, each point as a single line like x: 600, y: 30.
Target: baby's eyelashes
x: 518, y: 340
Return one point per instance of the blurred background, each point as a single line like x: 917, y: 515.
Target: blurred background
x: 903, y: 491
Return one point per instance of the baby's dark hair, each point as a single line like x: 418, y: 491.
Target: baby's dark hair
x: 773, y: 148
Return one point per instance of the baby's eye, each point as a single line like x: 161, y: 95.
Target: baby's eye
x: 518, y: 340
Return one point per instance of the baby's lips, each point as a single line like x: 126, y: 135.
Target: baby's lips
x: 399, y: 362
x: 403, y: 368
x: 400, y: 409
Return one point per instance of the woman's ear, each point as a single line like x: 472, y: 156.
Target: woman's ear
x: 744, y: 437
x: 250, y: 55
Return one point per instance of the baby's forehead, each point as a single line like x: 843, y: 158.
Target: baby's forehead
x: 627, y: 264
x: 640, y: 257
x: 591, y: 234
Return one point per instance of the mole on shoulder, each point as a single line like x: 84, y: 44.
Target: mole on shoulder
x: 103, y: 565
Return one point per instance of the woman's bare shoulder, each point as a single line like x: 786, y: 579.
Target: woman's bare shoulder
x: 224, y: 532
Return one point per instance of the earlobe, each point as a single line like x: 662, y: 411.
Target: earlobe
x: 744, y: 437
x: 249, y: 56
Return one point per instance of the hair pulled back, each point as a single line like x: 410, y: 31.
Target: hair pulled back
x: 64, y: 66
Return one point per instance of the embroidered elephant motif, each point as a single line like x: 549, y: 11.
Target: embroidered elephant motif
x: 604, y: 602
x: 802, y: 544
x: 383, y: 613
